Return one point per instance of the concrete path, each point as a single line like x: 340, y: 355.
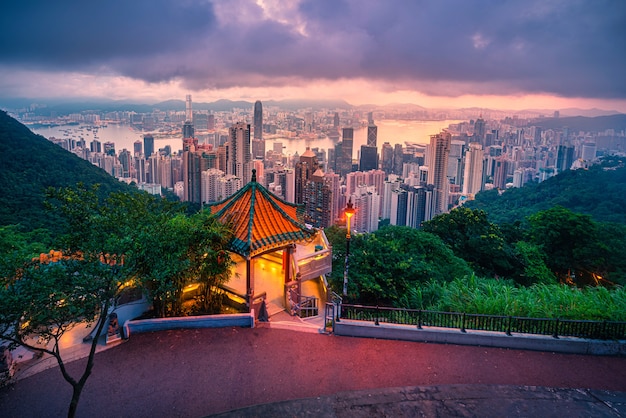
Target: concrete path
x: 195, y: 373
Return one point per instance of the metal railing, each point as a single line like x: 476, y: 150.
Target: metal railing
x: 308, y: 307
x: 603, y: 330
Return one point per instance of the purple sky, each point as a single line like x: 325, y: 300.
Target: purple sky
x: 429, y: 52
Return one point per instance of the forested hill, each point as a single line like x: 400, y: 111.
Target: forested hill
x: 599, y: 192
x: 29, y: 164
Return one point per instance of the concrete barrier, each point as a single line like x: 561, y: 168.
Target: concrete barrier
x: 204, y: 321
x: 366, y: 329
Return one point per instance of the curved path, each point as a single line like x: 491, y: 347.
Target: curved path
x: 194, y: 373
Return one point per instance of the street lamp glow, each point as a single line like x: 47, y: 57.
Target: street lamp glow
x: 349, y: 211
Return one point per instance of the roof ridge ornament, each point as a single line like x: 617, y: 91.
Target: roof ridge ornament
x: 253, y: 175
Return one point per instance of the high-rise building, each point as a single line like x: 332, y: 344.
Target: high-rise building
x: 398, y: 159
x: 473, y: 175
x: 565, y: 158
x: 304, y: 171
x: 372, y: 132
x: 258, y: 144
x: 367, y: 205
x: 137, y: 148
x: 386, y: 156
x: 437, y: 170
x: 318, y: 201
x: 479, y: 131
x: 369, y: 158
x: 188, y: 125
x: 334, y: 183
x: 148, y: 145
x: 347, y: 141
x: 238, y: 156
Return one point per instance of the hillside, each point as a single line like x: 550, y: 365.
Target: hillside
x: 29, y: 164
x: 597, y: 192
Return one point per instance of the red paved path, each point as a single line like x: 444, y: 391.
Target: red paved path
x: 200, y: 372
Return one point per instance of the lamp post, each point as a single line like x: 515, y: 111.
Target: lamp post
x: 349, y: 211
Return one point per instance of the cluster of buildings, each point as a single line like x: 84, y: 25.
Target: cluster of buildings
x: 406, y: 184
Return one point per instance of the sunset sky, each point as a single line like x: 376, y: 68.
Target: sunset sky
x: 546, y: 54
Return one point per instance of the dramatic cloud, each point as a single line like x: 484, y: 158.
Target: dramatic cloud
x: 569, y: 48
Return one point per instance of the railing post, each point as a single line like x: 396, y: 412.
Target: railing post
x: 463, y: 323
x: 376, y: 319
x: 337, y: 305
x: 508, y: 327
x: 419, y: 319
x: 556, y: 329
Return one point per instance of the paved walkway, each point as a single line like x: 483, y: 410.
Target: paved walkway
x: 195, y: 373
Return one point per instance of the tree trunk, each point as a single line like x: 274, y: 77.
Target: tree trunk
x: 77, y: 389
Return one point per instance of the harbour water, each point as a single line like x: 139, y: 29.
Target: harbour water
x: 124, y: 136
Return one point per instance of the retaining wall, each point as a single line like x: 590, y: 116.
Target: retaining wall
x: 365, y: 329
x: 206, y: 321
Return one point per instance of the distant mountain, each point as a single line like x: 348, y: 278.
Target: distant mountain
x: 581, y: 123
x: 29, y: 164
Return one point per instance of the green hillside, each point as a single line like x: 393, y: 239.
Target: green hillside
x: 29, y: 164
x: 599, y: 192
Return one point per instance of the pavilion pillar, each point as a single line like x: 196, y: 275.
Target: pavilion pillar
x: 287, y: 263
x: 249, y: 281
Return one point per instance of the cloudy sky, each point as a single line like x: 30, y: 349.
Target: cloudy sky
x: 486, y: 53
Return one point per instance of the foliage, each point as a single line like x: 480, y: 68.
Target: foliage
x: 173, y: 252
x: 473, y: 238
x: 572, y: 243
x: 41, y: 301
x: 599, y: 192
x: 30, y: 165
x: 385, y: 264
x: 499, y: 297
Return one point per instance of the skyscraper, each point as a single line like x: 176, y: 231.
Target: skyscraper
x: 188, y: 125
x: 304, y: 172
x: 473, y: 175
x: 258, y: 144
x: 387, y: 158
x: 372, y: 132
x: 438, y: 164
x: 148, y: 145
x: 346, y: 150
x: 318, y: 200
x: 369, y: 158
x: 238, y: 156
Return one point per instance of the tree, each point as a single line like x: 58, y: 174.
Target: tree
x: 390, y: 263
x: 41, y: 300
x: 473, y: 238
x: 575, y: 251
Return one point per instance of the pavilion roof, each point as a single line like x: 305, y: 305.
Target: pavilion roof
x: 261, y: 221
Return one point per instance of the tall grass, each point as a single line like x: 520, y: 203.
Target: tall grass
x: 499, y: 297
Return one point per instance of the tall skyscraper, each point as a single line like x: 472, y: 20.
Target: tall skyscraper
x: 318, y: 201
x: 137, y: 148
x: 305, y: 167
x: 148, y: 145
x: 437, y: 170
x: 372, y: 132
x: 386, y: 156
x: 188, y: 125
x: 239, y: 157
x: 258, y: 144
x: 346, y: 150
x: 473, y: 175
x: 479, y: 131
x: 369, y: 158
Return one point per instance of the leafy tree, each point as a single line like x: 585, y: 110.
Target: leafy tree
x: 388, y: 264
x: 571, y: 242
x: 473, y: 238
x: 41, y: 302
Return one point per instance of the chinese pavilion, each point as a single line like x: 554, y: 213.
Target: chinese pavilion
x: 278, y: 257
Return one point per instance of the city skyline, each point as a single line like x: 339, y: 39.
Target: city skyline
x: 514, y: 55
